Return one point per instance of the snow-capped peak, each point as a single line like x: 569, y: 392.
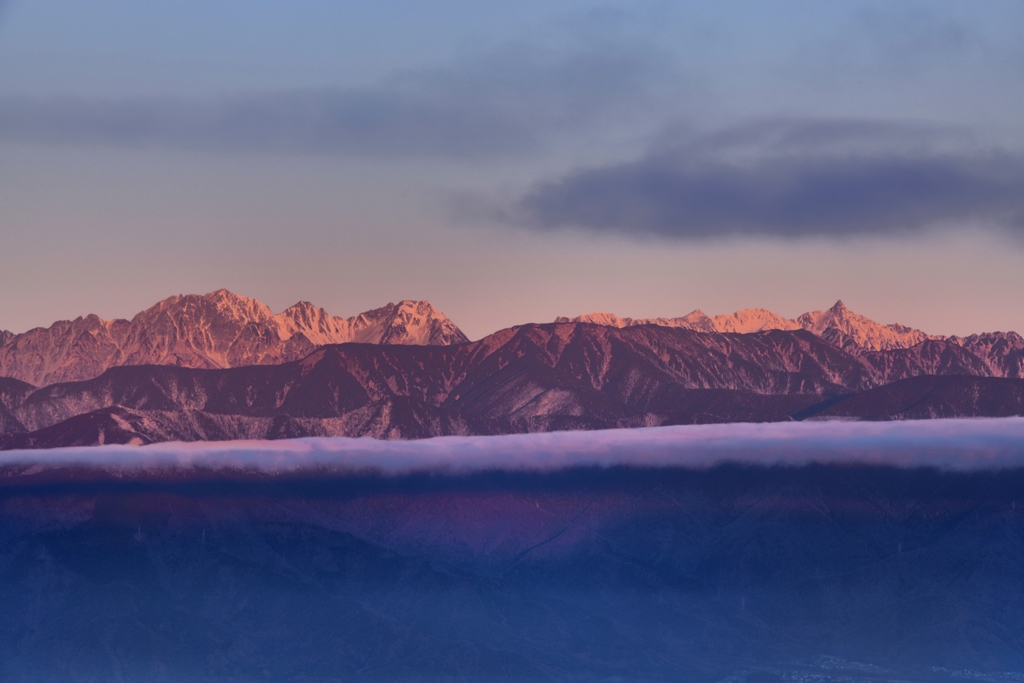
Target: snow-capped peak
x: 753, y: 320
x: 695, y: 320
x: 851, y: 331
x: 407, y: 322
x: 838, y: 325
x: 219, y: 329
x: 600, y: 318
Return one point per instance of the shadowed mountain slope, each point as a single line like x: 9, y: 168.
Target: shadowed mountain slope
x: 928, y: 397
x: 531, y: 378
x: 1003, y: 352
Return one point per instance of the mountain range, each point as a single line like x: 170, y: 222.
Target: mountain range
x: 216, y: 330
x: 221, y: 366
x: 838, y: 325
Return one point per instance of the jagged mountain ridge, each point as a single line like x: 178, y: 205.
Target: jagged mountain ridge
x: 853, y: 332
x: 838, y: 325
x: 589, y: 372
x: 1002, y: 352
x: 221, y: 329
x: 529, y: 378
x: 215, y: 330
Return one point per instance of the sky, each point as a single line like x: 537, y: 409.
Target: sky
x: 513, y: 162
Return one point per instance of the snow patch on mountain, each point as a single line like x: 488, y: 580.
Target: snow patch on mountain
x: 838, y: 325
x: 752, y: 320
x: 853, y: 332
x: 695, y: 320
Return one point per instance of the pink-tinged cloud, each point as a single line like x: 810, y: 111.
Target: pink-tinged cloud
x: 964, y: 445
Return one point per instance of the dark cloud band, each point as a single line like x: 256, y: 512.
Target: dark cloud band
x: 503, y: 104
x: 324, y: 122
x: 792, y: 182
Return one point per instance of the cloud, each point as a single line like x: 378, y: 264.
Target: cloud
x: 962, y: 445
x: 502, y: 104
x: 809, y: 178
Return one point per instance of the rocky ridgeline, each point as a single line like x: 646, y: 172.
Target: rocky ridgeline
x: 532, y: 378
x: 216, y: 330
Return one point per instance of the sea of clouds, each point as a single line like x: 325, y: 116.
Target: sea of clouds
x: 973, y: 444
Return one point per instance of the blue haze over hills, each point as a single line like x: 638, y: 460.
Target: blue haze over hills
x: 858, y: 553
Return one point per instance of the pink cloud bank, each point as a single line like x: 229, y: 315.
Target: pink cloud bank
x: 946, y: 444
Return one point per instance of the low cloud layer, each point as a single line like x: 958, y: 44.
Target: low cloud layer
x: 502, y: 104
x: 795, y: 179
x: 946, y: 444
